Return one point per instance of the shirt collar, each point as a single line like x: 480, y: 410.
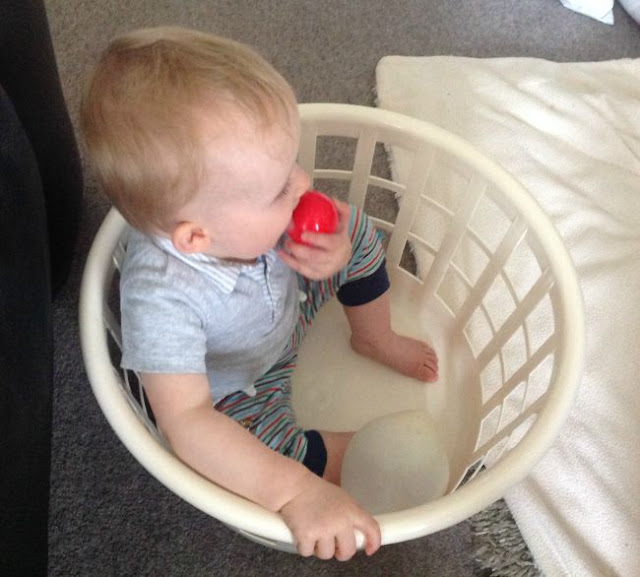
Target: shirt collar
x: 222, y: 273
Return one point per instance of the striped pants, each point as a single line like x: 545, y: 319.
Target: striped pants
x: 268, y: 414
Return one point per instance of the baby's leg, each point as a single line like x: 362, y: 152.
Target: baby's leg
x: 364, y: 294
x: 373, y: 337
x: 336, y: 445
x: 269, y: 416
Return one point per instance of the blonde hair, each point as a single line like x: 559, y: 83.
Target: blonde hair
x: 140, y: 114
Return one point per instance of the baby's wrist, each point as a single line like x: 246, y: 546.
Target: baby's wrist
x: 294, y: 482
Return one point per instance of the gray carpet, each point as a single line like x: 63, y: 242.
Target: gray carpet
x: 108, y: 516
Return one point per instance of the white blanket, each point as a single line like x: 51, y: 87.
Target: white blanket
x: 570, y: 133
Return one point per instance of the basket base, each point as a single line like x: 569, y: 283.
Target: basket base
x: 336, y: 389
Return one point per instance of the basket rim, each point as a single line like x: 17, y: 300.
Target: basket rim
x: 446, y: 511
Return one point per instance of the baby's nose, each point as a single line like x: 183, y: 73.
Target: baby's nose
x: 300, y: 191
x: 305, y: 182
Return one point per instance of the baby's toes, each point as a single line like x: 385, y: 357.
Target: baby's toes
x: 429, y: 369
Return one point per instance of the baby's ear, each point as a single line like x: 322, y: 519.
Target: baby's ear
x: 189, y: 237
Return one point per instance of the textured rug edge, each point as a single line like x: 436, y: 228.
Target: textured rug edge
x: 499, y: 549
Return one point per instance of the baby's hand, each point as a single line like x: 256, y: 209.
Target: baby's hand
x: 323, y: 520
x: 324, y: 254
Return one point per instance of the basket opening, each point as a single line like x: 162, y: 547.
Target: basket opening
x: 467, y: 276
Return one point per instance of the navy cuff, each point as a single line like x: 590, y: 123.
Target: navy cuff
x: 316, y: 457
x: 364, y: 290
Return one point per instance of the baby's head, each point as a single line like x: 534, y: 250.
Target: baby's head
x: 158, y: 103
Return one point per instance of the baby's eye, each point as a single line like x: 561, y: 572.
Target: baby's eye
x: 286, y: 190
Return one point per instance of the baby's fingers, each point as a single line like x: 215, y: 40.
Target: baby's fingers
x: 372, y: 536
x: 329, y: 240
x: 325, y: 547
x: 346, y: 545
x: 306, y: 548
x: 344, y: 212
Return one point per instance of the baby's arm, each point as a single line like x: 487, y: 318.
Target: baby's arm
x: 321, y: 516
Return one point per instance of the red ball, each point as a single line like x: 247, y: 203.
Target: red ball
x: 316, y: 212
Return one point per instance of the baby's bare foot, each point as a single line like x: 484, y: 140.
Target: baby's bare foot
x: 403, y: 354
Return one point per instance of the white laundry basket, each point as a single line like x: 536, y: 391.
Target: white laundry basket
x: 476, y: 268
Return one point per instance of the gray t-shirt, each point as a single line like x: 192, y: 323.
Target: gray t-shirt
x: 197, y: 314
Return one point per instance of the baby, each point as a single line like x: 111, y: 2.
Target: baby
x: 194, y: 139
